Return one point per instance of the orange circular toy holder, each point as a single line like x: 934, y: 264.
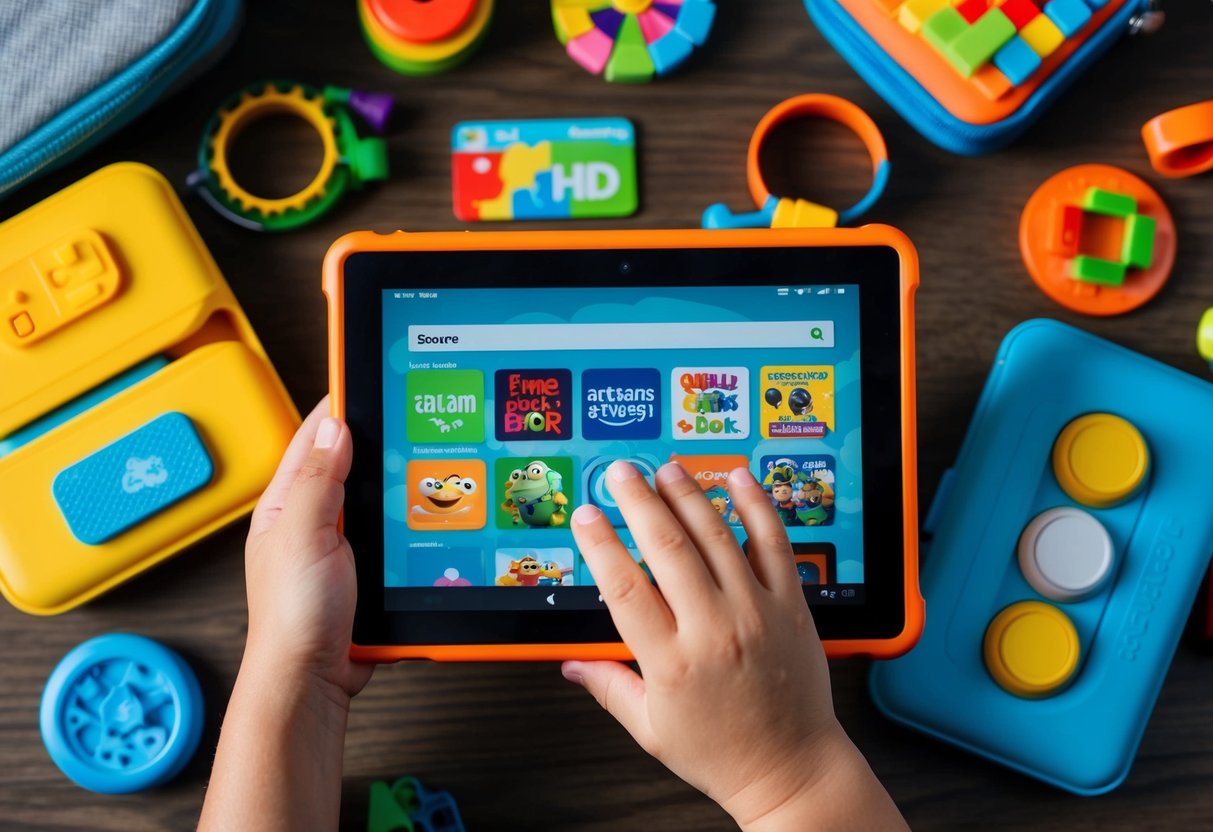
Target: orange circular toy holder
x: 786, y: 212
x: 1180, y: 141
x: 1097, y: 240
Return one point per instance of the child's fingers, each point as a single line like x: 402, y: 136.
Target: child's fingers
x: 620, y: 692
x: 637, y: 608
x: 768, y: 547
x: 313, y: 504
x: 274, y: 497
x: 704, y: 526
x: 680, y: 572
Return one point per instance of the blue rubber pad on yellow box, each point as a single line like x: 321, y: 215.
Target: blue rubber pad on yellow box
x: 132, y: 479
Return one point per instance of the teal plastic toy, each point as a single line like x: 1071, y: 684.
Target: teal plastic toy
x: 121, y: 713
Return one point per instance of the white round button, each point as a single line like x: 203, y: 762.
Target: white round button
x: 1065, y: 554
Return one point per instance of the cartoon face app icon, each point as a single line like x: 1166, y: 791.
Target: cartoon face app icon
x: 446, y: 494
x: 536, y: 492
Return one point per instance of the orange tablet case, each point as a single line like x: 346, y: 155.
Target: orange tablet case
x: 871, y: 235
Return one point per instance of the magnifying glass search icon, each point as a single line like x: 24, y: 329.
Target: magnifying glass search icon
x: 815, y: 333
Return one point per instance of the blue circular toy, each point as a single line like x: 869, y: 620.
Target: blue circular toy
x: 121, y: 713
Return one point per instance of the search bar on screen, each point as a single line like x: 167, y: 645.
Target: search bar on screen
x: 649, y: 336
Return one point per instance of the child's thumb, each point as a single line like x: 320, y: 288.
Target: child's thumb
x: 313, y: 504
x: 620, y: 692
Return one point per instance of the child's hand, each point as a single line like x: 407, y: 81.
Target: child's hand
x: 300, y: 569
x: 278, y: 765
x: 735, y: 694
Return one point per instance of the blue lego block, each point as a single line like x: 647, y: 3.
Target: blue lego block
x: 81, y: 403
x: 695, y: 20
x: 1017, y: 60
x: 1068, y: 15
x: 132, y: 478
x: 670, y: 51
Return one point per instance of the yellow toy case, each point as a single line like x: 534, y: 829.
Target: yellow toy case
x: 98, y: 278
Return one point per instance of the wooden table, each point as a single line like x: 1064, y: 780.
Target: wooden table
x: 518, y: 746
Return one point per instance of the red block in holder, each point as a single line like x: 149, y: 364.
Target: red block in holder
x: 1066, y: 230
x: 1020, y: 12
x: 970, y: 10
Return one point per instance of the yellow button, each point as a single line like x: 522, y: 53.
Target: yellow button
x: 1031, y: 649
x: 1100, y: 459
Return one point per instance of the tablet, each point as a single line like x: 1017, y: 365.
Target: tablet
x: 488, y: 379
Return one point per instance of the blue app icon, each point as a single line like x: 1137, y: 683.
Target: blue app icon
x: 621, y: 403
x: 595, y: 487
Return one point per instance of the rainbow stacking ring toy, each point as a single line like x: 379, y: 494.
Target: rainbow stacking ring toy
x: 424, y: 37
x: 630, y: 41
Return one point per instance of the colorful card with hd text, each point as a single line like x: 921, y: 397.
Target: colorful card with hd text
x: 543, y: 169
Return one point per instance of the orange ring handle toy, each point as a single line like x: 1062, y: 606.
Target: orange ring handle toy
x: 785, y: 212
x: 1180, y: 142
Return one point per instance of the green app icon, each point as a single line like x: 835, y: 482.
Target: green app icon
x: 444, y: 406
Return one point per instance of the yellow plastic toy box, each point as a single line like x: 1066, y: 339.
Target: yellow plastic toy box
x: 138, y: 411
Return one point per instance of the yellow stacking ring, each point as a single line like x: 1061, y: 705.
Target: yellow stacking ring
x: 254, y: 107
x: 415, y: 57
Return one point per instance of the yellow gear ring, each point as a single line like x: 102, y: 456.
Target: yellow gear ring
x: 273, y: 101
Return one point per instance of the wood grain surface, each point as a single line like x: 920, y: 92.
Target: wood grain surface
x: 519, y: 747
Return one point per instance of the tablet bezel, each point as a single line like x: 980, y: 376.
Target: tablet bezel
x: 880, y: 261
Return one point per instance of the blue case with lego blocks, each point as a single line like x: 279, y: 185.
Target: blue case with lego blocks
x: 932, y: 117
x: 1083, y: 734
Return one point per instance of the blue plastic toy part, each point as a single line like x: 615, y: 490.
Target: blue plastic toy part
x: 1082, y: 734
x: 121, y: 713
x: 132, y: 478
x: 1017, y: 60
x: 721, y: 216
x: 81, y: 403
x: 408, y: 806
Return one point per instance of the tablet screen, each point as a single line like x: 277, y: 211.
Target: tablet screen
x: 502, y: 408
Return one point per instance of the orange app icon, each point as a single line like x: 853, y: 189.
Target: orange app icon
x: 447, y: 494
x: 710, y: 470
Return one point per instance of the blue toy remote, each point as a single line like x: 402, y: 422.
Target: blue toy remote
x: 1069, y: 543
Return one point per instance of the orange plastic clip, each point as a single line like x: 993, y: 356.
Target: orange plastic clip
x: 1180, y: 142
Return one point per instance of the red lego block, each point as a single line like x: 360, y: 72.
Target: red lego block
x: 970, y: 10
x: 1066, y: 230
x: 1020, y: 12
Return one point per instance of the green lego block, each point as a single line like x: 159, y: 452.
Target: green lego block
x: 1137, y: 246
x: 1110, y: 203
x: 943, y: 27
x: 1096, y: 270
x: 630, y: 61
x: 974, y: 47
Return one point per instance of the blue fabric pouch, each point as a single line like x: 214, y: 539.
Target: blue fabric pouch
x: 74, y: 71
x: 931, y: 117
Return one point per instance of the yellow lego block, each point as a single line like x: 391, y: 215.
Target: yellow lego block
x: 800, y: 213
x: 1042, y: 35
x: 914, y: 13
